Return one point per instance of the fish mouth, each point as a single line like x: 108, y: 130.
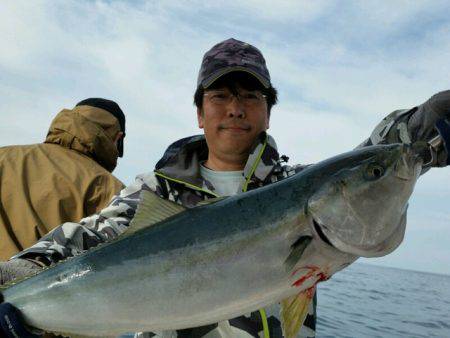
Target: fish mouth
x: 320, y: 233
x: 409, y: 165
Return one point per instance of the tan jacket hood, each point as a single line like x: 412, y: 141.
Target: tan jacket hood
x: 88, y: 130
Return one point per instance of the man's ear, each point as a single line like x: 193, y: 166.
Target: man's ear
x: 119, y: 135
x: 268, y: 121
x: 200, y: 118
x: 118, y: 141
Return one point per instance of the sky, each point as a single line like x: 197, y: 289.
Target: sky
x: 339, y: 67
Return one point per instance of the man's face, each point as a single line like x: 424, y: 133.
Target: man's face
x: 231, y: 125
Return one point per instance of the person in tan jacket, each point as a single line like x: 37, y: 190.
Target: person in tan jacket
x: 63, y: 179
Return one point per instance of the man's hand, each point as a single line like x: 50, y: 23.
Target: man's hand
x: 17, y: 268
x: 431, y: 123
x: 443, y: 127
x: 11, y: 323
x: 439, y: 104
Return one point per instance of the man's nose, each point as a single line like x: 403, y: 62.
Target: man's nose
x: 235, y: 108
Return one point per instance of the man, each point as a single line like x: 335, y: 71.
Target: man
x: 234, y: 99
x: 63, y: 179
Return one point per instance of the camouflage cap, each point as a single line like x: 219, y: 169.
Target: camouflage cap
x: 229, y: 56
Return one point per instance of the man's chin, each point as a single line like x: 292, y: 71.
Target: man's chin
x: 236, y: 148
x: 237, y: 139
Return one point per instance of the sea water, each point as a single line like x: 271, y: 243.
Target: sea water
x: 371, y: 301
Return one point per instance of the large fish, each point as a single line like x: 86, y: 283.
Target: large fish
x: 176, y: 268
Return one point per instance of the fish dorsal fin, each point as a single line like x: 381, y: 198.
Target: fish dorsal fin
x: 152, y: 209
x: 294, y: 311
x: 211, y: 200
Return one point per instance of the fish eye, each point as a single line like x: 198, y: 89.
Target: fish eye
x: 374, y: 171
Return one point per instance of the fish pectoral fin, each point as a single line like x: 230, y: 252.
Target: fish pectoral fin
x: 297, y: 250
x: 152, y: 209
x: 294, y: 311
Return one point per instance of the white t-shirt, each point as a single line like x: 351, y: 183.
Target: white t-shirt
x: 226, y: 183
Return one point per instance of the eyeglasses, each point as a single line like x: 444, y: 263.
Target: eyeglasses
x: 247, y: 98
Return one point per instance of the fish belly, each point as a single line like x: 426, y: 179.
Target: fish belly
x: 183, y: 288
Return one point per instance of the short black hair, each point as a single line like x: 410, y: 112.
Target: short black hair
x: 244, y: 80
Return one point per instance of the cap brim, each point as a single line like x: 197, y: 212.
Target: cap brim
x: 215, y: 76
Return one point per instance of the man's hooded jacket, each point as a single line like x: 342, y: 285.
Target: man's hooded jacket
x: 63, y: 179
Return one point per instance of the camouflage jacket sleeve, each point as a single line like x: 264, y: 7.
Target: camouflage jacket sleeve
x: 416, y: 124
x: 72, y: 238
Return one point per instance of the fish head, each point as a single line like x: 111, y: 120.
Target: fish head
x: 361, y: 207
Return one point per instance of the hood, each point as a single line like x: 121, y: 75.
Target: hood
x: 181, y: 162
x: 88, y: 130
